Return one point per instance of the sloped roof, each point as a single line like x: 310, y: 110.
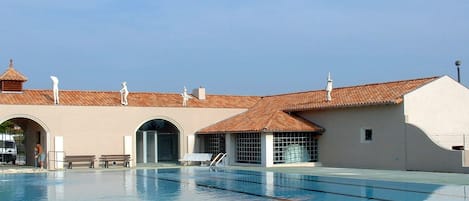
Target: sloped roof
x: 355, y: 96
x: 264, y: 116
x: 270, y: 113
x: 136, y: 99
x: 12, y: 75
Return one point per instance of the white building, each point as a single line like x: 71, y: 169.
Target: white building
x: 403, y: 125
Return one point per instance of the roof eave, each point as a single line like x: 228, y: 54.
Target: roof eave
x: 304, y: 109
x: 320, y: 131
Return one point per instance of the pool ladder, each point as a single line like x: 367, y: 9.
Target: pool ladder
x: 219, y: 158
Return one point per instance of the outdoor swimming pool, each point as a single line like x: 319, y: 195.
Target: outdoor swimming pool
x: 198, y: 183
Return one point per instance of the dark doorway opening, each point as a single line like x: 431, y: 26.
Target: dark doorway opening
x: 157, y: 141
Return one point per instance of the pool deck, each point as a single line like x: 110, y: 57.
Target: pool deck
x: 371, y: 174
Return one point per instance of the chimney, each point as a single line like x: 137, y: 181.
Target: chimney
x: 199, y: 93
x: 329, y: 88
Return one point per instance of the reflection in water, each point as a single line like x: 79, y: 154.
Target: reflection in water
x: 200, y: 184
x: 269, y: 183
x: 56, y: 192
x: 129, y: 185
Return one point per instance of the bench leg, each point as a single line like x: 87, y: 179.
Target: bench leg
x: 69, y: 165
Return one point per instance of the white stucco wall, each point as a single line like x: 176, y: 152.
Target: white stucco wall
x: 100, y: 130
x: 441, y: 110
x: 341, y: 146
x: 415, y: 135
x: 424, y: 155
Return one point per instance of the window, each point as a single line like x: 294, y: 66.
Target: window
x: 248, y: 148
x: 366, y: 135
x: 7, y: 144
x: 214, y: 143
x: 295, y: 147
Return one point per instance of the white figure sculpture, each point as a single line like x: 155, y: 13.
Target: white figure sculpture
x: 124, y: 94
x: 55, y: 89
x: 185, y: 97
x: 329, y: 88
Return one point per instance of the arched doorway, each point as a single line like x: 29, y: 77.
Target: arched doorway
x: 157, y: 141
x: 26, y: 134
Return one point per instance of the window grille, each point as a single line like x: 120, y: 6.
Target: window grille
x: 214, y: 143
x: 248, y: 148
x: 295, y: 147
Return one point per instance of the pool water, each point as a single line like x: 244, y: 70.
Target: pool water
x: 198, y: 183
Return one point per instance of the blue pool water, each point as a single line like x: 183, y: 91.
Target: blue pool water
x: 199, y: 183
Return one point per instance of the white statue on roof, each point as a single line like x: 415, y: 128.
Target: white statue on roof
x: 55, y: 89
x: 329, y: 88
x: 185, y: 97
x: 124, y: 93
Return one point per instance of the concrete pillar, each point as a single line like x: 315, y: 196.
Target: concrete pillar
x: 267, y: 149
x: 155, y: 142
x: 190, y: 143
x: 144, y: 147
x: 59, y: 152
x: 128, y: 147
x: 230, y: 146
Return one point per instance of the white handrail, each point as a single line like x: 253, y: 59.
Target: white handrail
x: 217, y: 160
x: 221, y: 159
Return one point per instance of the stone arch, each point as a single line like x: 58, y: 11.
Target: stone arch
x: 158, y: 139
x: 35, y: 131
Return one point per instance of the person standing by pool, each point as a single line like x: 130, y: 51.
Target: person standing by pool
x: 40, y: 156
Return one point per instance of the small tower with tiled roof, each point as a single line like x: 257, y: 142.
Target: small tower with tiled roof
x: 12, y: 80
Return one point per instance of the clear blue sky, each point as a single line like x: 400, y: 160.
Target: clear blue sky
x: 241, y: 47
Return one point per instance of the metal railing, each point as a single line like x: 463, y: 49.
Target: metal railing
x: 56, y: 158
x: 216, y: 161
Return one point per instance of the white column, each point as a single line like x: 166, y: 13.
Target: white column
x: 128, y: 146
x: 144, y: 147
x: 230, y: 146
x: 267, y: 149
x: 190, y: 143
x: 156, y: 146
x: 47, y: 150
x: 59, y: 151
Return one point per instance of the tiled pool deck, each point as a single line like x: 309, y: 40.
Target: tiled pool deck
x: 387, y: 175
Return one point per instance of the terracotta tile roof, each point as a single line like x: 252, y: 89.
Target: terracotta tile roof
x: 355, y: 96
x: 136, y: 99
x: 13, y: 75
x: 265, y: 116
x: 270, y: 113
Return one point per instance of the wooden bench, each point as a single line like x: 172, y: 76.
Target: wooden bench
x: 196, y: 157
x: 80, y: 159
x: 113, y: 158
